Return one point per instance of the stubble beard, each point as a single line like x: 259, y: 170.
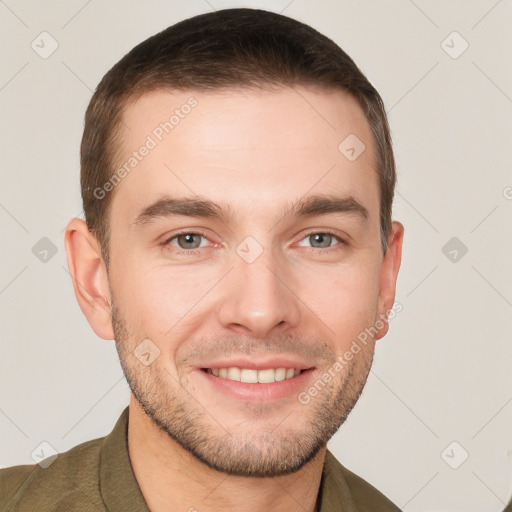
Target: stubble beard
x: 274, y: 451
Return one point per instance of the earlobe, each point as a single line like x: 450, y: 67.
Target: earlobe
x: 388, y: 276
x: 89, y: 277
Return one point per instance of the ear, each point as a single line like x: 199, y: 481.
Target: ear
x: 89, y: 276
x: 388, y: 275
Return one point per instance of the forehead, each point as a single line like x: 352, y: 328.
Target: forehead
x: 248, y: 148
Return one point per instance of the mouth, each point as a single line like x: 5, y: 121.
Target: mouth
x: 253, y: 376
x: 261, y: 385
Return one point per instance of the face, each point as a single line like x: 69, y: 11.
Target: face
x: 256, y: 282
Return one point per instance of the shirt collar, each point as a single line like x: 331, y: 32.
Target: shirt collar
x: 118, y: 486
x: 120, y: 490
x: 334, y: 493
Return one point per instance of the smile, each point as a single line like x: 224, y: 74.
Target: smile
x: 263, y: 376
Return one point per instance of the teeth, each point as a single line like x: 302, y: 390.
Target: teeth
x: 279, y: 374
x: 265, y: 376
x: 234, y: 373
x: 247, y: 375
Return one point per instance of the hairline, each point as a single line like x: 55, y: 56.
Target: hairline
x: 114, y: 152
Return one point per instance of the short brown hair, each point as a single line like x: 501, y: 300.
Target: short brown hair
x: 229, y: 48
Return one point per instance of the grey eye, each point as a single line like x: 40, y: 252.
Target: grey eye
x: 188, y: 240
x: 324, y: 239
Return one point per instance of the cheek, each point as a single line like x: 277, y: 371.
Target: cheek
x: 160, y: 300
x: 345, y: 298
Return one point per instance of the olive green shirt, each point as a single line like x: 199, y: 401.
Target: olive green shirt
x: 97, y: 476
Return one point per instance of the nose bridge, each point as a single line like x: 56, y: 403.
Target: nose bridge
x: 257, y: 299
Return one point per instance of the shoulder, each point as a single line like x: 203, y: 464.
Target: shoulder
x: 366, y: 498
x: 11, y: 479
x: 73, y: 477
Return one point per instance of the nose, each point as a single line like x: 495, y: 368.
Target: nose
x: 258, y: 298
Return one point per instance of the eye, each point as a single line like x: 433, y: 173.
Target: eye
x: 324, y: 240
x: 189, y: 241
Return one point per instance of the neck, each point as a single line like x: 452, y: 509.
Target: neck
x: 171, y: 478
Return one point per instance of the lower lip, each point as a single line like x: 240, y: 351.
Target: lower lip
x: 258, y: 391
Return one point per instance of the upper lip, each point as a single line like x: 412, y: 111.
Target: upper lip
x: 253, y: 364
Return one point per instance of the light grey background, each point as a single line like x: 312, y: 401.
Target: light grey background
x: 442, y: 374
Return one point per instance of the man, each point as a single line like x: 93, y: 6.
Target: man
x: 258, y: 142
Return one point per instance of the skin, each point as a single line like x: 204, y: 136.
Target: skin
x: 258, y: 152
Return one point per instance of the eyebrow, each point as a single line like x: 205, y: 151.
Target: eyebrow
x: 198, y: 206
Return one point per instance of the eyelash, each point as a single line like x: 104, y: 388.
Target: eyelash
x: 194, y: 252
